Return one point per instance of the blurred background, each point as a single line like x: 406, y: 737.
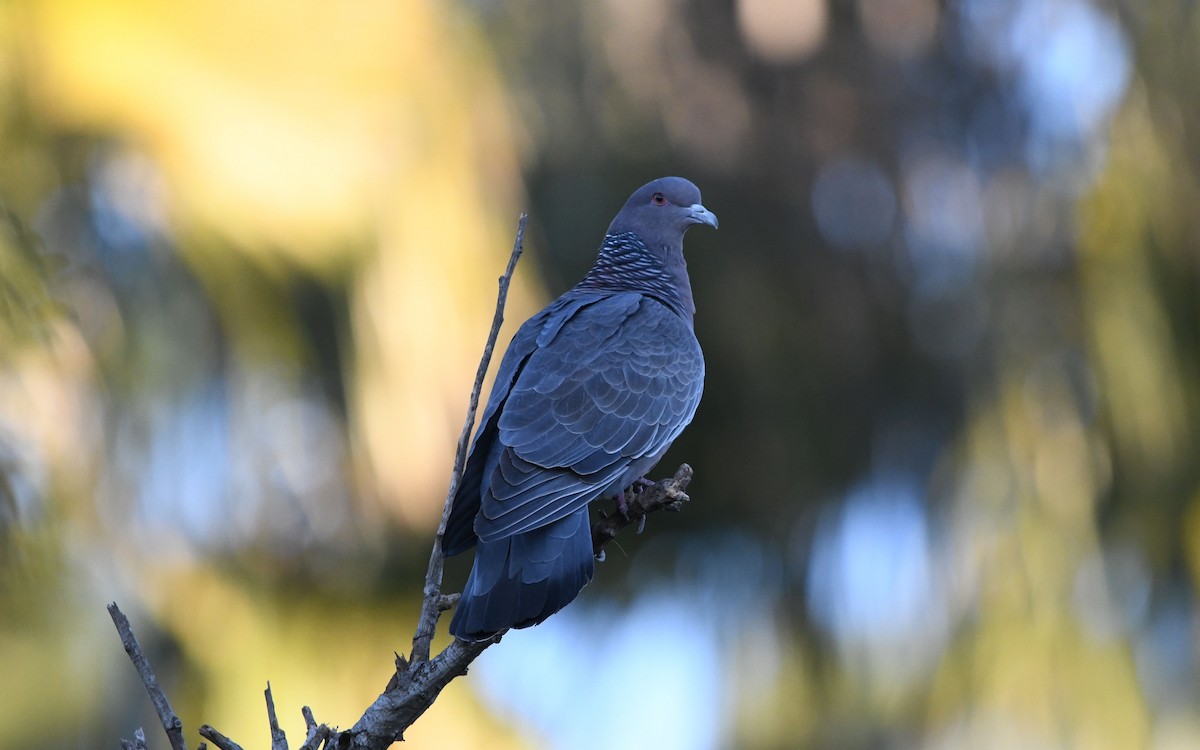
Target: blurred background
x: 947, y: 485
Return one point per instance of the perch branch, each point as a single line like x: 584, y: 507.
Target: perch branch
x: 413, y: 689
x: 431, y: 606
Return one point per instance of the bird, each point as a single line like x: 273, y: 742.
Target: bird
x: 588, y: 396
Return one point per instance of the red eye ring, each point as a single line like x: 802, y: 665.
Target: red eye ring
x: 659, y: 199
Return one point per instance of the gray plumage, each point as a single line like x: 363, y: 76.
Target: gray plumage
x: 589, y: 395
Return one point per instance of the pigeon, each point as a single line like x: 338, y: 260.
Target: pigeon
x: 588, y: 397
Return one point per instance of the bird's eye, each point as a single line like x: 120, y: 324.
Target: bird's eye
x: 659, y: 199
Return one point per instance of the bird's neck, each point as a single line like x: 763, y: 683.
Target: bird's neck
x: 625, y: 264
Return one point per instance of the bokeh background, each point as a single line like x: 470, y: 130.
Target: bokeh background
x: 947, y: 485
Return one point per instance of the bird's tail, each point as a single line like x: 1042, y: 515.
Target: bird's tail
x: 521, y: 580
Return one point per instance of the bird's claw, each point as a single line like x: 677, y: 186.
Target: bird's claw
x: 623, y: 505
x: 639, y: 485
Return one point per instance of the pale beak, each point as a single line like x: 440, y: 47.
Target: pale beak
x: 698, y: 214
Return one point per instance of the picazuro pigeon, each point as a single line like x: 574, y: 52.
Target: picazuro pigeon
x: 588, y: 397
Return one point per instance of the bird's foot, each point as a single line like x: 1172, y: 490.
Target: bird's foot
x: 623, y: 505
x: 640, y: 485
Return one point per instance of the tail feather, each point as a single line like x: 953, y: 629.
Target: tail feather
x: 521, y: 580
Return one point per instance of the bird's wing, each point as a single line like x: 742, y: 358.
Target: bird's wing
x: 616, y: 382
x: 460, y: 532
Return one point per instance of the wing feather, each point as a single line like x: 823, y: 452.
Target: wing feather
x: 605, y: 389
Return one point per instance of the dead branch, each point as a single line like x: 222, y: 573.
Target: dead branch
x: 278, y: 737
x: 221, y: 741
x: 430, y: 609
x: 170, y: 722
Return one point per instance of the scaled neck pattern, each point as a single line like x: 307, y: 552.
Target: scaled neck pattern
x: 625, y: 264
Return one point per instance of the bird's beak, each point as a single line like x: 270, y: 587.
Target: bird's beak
x: 698, y: 214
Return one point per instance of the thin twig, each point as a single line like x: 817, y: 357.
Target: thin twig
x: 218, y: 739
x: 430, y: 607
x: 170, y: 722
x: 320, y: 737
x: 138, y: 743
x: 315, y: 734
x: 278, y: 737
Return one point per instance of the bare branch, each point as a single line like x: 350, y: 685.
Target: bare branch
x: 278, y: 737
x: 430, y: 607
x: 221, y: 741
x: 404, y: 702
x: 170, y: 722
x: 315, y: 735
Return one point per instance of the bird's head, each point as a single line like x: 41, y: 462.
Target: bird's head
x: 659, y: 212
